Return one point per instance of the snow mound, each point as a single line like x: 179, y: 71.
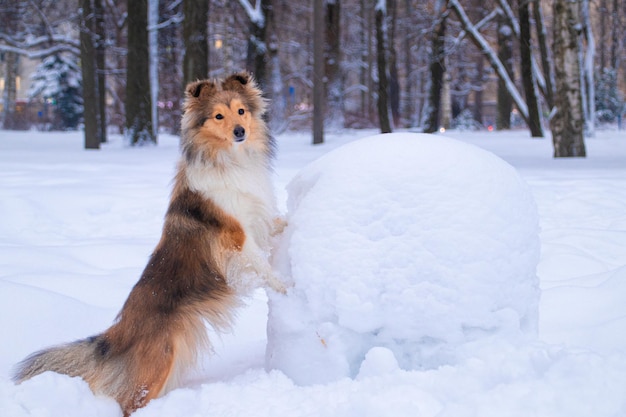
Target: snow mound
x: 417, y: 244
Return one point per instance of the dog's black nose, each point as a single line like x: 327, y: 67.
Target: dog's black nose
x: 240, y: 133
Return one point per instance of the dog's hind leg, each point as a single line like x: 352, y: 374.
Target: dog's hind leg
x: 148, y: 379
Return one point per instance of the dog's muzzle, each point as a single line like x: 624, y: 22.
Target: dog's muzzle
x: 240, y: 133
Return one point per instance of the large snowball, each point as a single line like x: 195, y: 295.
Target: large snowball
x: 413, y: 243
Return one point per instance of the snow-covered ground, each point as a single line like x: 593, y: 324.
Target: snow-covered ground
x: 76, y: 228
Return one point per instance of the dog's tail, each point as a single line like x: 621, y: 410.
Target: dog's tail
x: 132, y: 376
x: 73, y: 359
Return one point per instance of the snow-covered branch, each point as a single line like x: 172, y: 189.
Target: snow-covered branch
x: 172, y: 21
x: 32, y: 50
x: 254, y: 12
x: 119, y: 18
x: 483, y: 22
x: 484, y: 46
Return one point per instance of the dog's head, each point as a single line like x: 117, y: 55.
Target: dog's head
x: 222, y: 115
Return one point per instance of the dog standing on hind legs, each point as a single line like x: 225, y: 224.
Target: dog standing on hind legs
x: 214, y: 248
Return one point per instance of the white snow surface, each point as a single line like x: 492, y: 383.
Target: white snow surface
x: 78, y: 226
x: 413, y: 242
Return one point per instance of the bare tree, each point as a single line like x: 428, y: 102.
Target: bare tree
x: 195, y: 36
x: 257, y: 58
x: 544, y: 52
x: 138, y: 97
x: 89, y: 65
x: 505, y: 55
x: 381, y: 64
x: 394, y: 82
x: 568, y: 120
x: 484, y: 46
x: 262, y: 57
x: 12, y: 13
x: 99, y: 38
x: 333, y: 73
x: 528, y: 78
x: 318, y: 72
x: 437, y: 67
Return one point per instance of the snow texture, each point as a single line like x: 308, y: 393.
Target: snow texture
x: 77, y: 228
x: 412, y: 242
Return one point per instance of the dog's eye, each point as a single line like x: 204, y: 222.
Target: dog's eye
x: 241, y: 111
x: 219, y: 116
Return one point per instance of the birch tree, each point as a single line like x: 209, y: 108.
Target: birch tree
x: 153, y: 42
x: 587, y: 51
x: 568, y: 120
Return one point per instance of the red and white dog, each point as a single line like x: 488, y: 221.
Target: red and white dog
x: 214, y: 248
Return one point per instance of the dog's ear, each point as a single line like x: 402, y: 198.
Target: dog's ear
x: 239, y: 82
x: 200, y: 89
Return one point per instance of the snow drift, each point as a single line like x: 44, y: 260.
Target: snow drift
x: 437, y: 249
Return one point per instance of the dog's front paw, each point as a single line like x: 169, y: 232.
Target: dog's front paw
x: 279, y: 225
x: 276, y: 284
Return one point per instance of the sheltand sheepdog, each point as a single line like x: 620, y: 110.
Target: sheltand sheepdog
x: 214, y: 249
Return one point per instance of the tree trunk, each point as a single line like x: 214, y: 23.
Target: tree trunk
x: 364, y: 77
x: 257, y: 57
x: 477, y: 111
x: 615, y: 34
x: 546, y: 62
x: 394, y: 82
x: 12, y: 13
x: 195, y: 38
x: 602, y: 15
x: 334, y: 77
x: 91, y: 96
x: 587, y: 65
x: 153, y: 41
x: 275, y: 88
x: 437, y: 70
x: 318, y: 72
x: 100, y: 50
x: 505, y: 55
x: 445, y: 106
x: 528, y: 79
x: 409, y: 99
x: 381, y: 63
x: 10, y: 91
x: 138, y: 101
x: 568, y: 120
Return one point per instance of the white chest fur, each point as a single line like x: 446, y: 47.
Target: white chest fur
x: 242, y: 190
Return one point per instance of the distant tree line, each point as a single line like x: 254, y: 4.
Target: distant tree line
x: 427, y: 65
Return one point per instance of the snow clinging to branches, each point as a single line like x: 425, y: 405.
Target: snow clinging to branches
x: 254, y: 11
